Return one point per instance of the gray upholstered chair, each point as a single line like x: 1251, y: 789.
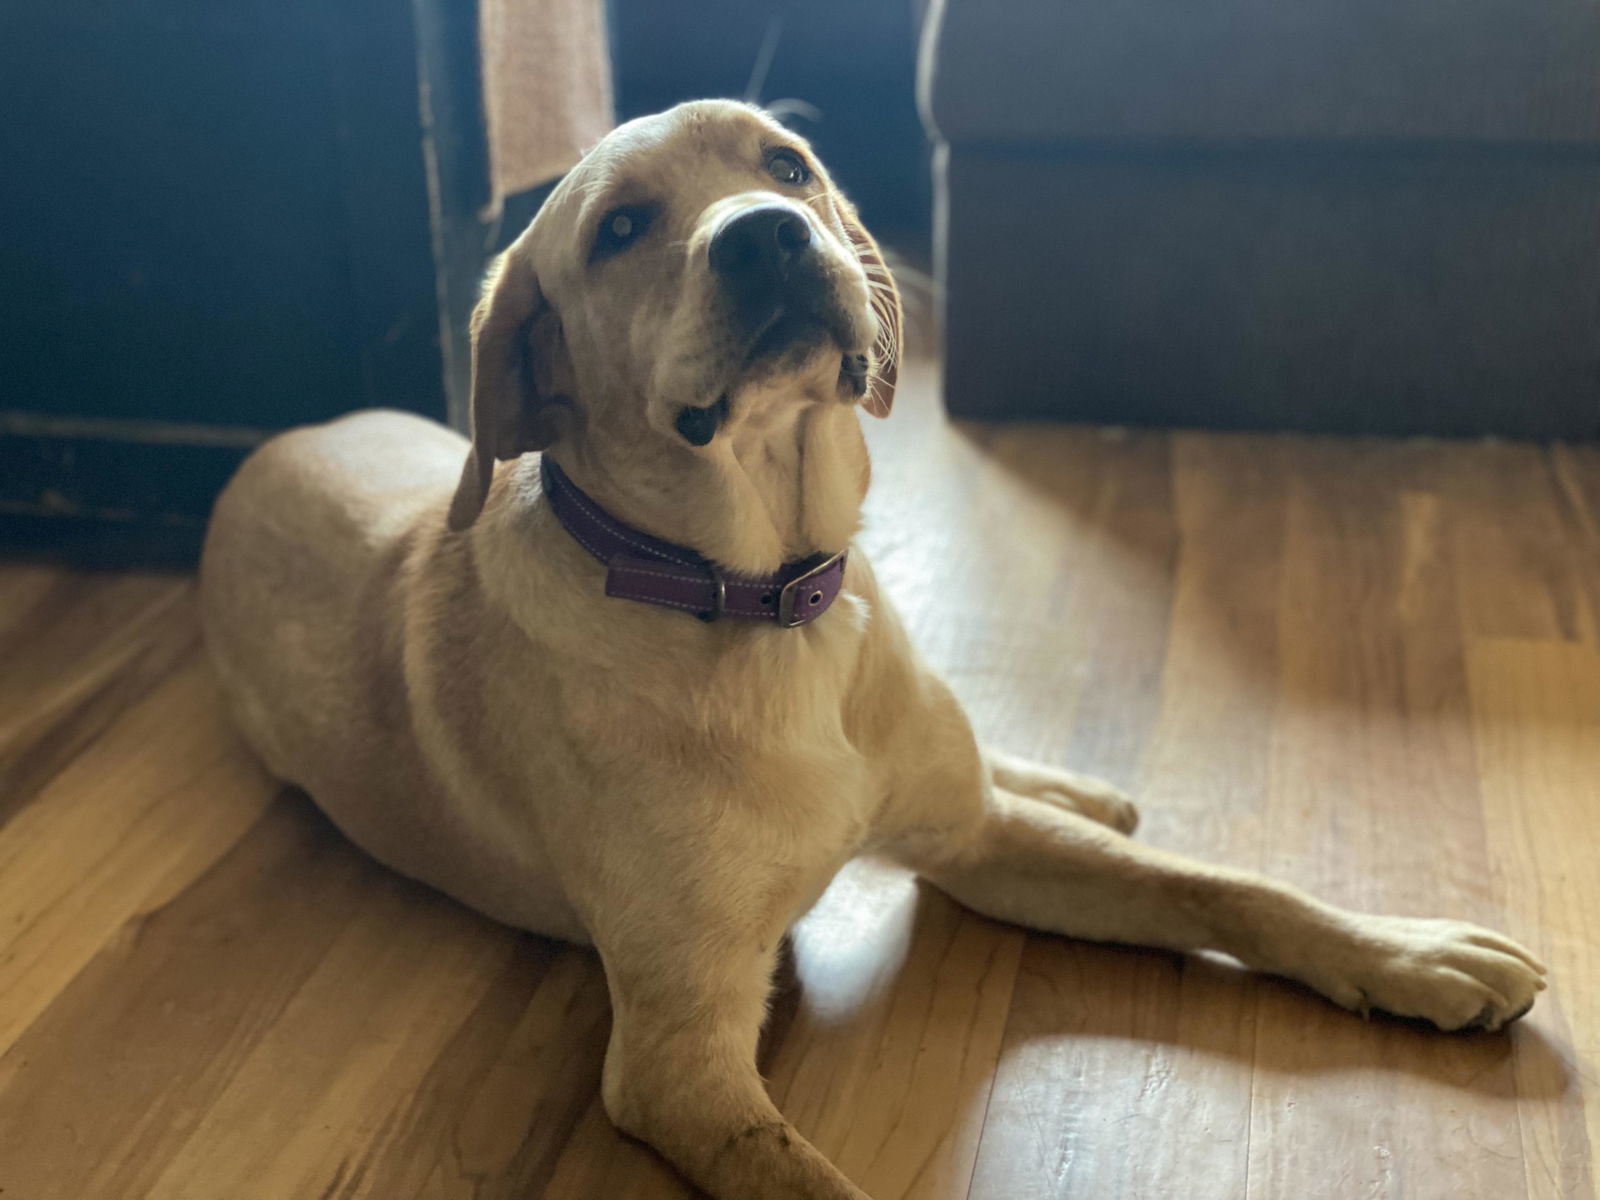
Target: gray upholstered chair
x: 1372, y: 215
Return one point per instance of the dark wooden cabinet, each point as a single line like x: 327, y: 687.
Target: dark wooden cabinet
x: 217, y: 222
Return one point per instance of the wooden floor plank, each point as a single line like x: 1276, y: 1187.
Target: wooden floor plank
x: 1374, y: 805
x: 504, y: 1098
x: 1536, y: 707
x: 105, y: 1087
x: 1575, y: 475
x: 77, y: 650
x: 888, y: 1062
x: 316, y: 1093
x: 1106, y: 1044
x: 146, y: 808
x: 1519, y: 573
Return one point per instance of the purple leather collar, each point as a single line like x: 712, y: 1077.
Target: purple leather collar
x: 645, y: 568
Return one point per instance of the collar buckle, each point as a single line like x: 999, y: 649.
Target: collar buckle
x: 797, y: 606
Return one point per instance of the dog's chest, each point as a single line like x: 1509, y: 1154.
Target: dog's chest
x: 757, y: 729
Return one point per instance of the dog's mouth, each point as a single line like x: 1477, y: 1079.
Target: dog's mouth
x: 788, y: 340
x: 792, y: 334
x: 789, y: 330
x: 699, y: 424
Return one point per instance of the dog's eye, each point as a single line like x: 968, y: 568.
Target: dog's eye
x: 619, y: 229
x: 788, y: 167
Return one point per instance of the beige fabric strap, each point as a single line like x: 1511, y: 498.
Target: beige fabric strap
x: 546, y: 88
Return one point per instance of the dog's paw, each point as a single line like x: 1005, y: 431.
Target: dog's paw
x: 1092, y: 798
x: 1082, y: 794
x: 1456, y: 975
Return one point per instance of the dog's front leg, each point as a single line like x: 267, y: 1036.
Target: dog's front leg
x: 688, y: 1001
x: 1042, y: 865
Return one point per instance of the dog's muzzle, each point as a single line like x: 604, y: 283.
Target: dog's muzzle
x: 770, y: 270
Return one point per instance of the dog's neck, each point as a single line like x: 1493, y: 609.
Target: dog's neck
x: 764, y: 492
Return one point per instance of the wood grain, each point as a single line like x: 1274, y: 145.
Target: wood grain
x: 1370, y: 667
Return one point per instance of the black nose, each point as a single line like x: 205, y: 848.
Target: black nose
x: 760, y: 244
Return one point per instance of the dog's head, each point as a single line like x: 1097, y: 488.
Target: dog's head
x: 695, y: 270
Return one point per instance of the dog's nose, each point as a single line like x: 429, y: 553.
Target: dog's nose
x: 760, y: 244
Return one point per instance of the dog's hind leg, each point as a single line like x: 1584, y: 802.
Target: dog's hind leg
x: 1044, y: 866
x: 1081, y: 794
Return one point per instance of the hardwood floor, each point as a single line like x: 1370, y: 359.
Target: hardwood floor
x: 1371, y: 668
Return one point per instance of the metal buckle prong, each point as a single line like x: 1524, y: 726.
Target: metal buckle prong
x: 720, y: 602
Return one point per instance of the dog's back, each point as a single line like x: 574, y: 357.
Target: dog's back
x: 302, y: 548
x: 318, y: 595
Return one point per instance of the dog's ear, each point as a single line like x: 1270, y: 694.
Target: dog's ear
x: 516, y: 335
x: 890, y: 342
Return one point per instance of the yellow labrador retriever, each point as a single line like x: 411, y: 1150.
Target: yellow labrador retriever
x: 633, y: 692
